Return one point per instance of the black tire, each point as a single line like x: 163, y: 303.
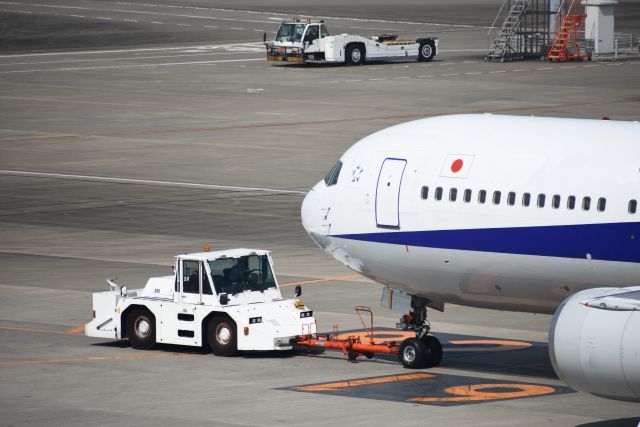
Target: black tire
x: 426, y: 51
x: 413, y: 353
x: 222, y: 336
x: 141, y: 329
x: 355, y: 54
x: 434, y: 349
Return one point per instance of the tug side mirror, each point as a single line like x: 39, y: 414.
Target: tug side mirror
x: 224, y: 299
x: 264, y: 37
x: 298, y: 291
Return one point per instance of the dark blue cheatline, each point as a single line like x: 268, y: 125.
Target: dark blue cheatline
x: 606, y: 242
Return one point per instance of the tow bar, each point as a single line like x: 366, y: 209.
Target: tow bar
x: 352, y: 346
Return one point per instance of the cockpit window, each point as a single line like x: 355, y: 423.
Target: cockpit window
x: 290, y: 32
x: 332, y: 177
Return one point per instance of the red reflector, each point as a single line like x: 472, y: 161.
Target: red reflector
x: 246, y: 330
x: 94, y: 314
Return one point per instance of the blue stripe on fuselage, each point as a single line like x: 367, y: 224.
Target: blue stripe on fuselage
x: 607, y: 242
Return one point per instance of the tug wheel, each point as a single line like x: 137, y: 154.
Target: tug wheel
x: 222, y: 336
x: 434, y: 348
x: 413, y: 353
x: 141, y: 328
x: 426, y: 51
x: 355, y: 55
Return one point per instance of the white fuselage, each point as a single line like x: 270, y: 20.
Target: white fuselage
x: 382, y: 218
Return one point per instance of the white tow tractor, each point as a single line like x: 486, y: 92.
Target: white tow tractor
x: 309, y: 41
x: 229, y: 300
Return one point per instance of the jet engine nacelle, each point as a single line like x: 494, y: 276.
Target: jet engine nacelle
x: 594, y: 342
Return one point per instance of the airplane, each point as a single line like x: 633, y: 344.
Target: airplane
x: 513, y: 213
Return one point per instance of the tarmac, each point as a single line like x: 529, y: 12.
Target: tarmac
x: 132, y: 132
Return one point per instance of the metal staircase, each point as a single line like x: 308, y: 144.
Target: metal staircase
x: 565, y: 47
x: 502, y: 48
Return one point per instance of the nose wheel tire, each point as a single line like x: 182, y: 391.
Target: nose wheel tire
x: 413, y: 353
x: 141, y: 328
x: 222, y: 336
x: 434, y: 348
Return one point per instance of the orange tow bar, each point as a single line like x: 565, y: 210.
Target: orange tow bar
x: 353, y: 346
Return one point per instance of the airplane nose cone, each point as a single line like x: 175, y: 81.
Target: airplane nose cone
x: 309, y: 211
x: 312, y: 213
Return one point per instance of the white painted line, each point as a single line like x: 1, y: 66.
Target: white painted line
x: 425, y: 77
x: 615, y: 64
x: 146, y: 182
x: 352, y: 81
x: 237, y: 28
x: 496, y: 72
x: 570, y: 67
x: 255, y: 29
x: 473, y: 74
x: 448, y: 63
x: 450, y: 74
x: 211, y: 26
x: 184, y: 25
x: 157, y: 22
x: 111, y: 67
x: 106, y: 18
x: 377, y: 80
x: 520, y: 70
x: 544, y: 68
x: 592, y: 65
x: 130, y: 20
x: 77, y: 16
x: 401, y: 78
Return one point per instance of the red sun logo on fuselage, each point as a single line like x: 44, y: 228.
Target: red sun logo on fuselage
x: 456, y: 165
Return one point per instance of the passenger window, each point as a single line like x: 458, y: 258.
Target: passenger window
x: 526, y: 199
x: 312, y: 33
x: 496, y: 197
x: 555, y: 202
x: 323, y: 31
x: 571, y: 202
x: 602, y: 204
x: 633, y: 206
x: 425, y: 193
x: 482, y: 196
x: 467, y: 196
x: 541, y: 199
x: 511, y: 198
x: 206, y: 285
x: 190, y: 277
x: 586, y: 203
x: 438, y: 193
x: 453, y: 194
x: 332, y: 177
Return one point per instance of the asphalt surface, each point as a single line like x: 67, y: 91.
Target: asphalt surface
x: 131, y: 132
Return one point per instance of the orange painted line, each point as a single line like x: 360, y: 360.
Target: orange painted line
x: 76, y: 331
x: 326, y: 279
x: 474, y: 393
x: 500, y: 345
x: 151, y: 132
x: 364, y: 381
x: 93, y: 359
x: 19, y: 329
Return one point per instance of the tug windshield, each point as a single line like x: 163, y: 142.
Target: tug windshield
x: 247, y: 273
x: 290, y: 32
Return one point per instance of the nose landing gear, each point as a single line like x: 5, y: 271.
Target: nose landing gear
x: 423, y: 351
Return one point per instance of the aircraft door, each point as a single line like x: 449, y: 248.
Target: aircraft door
x: 388, y: 193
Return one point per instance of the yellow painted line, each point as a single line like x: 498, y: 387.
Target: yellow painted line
x: 326, y: 279
x: 93, y: 359
x: 365, y: 381
x: 474, y: 393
